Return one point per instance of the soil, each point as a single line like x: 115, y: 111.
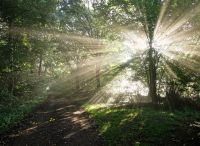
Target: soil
x: 56, y: 122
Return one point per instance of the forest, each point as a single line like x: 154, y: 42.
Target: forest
x: 100, y: 72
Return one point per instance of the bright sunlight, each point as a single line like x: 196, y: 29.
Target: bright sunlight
x: 100, y: 72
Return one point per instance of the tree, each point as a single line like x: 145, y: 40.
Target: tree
x: 19, y: 18
x: 146, y: 13
x: 81, y: 18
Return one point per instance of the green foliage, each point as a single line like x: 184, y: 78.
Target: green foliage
x: 7, y: 98
x: 11, y: 114
x: 145, y: 12
x: 142, y: 126
x: 186, y: 81
x: 43, y: 40
x: 21, y: 51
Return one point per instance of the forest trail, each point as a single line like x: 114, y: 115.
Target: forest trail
x: 57, y: 122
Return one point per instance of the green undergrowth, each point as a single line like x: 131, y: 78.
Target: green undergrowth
x: 145, y: 126
x: 13, y: 113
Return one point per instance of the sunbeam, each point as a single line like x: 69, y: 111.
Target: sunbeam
x: 132, y: 67
x: 176, y: 33
x: 121, y: 90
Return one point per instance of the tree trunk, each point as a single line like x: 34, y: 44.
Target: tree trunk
x: 98, y: 75
x: 40, y: 65
x: 11, y: 58
x: 77, y: 78
x: 152, y: 75
x: 77, y: 83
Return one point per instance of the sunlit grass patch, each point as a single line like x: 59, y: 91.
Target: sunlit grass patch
x: 142, y: 126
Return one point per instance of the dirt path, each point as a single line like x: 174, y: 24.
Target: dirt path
x: 57, y: 122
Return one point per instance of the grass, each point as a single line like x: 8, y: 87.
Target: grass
x: 11, y: 114
x: 145, y: 126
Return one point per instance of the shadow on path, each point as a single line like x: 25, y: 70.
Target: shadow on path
x: 57, y: 122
